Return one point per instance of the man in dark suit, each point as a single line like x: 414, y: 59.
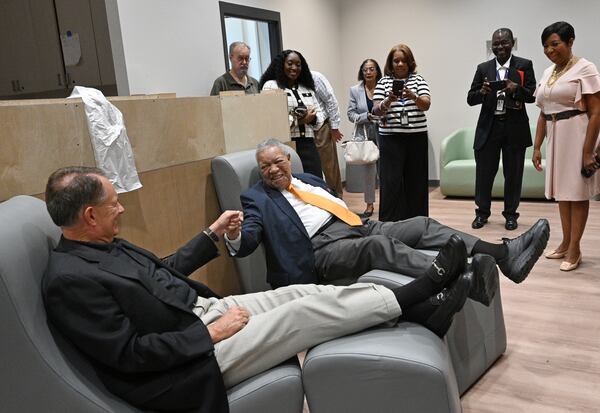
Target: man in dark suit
x: 162, y: 341
x: 502, y: 86
x: 306, y: 244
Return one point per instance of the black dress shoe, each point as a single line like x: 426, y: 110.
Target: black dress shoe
x: 478, y: 222
x: 511, y: 224
x: 485, y: 278
x: 524, y: 251
x: 448, y: 302
x: 449, y: 263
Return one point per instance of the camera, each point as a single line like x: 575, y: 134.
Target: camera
x: 300, y: 111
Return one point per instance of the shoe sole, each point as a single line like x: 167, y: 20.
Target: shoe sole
x: 485, y: 279
x: 532, y: 253
x: 441, y: 320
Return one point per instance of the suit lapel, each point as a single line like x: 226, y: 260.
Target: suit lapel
x: 285, y: 207
x: 362, y: 97
x: 491, y: 73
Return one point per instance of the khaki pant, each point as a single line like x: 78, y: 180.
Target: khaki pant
x: 329, y: 160
x: 291, y: 319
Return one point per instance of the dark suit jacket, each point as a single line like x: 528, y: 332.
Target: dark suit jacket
x: 146, y: 346
x: 269, y: 218
x: 517, y: 122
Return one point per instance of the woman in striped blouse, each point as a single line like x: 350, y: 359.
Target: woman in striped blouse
x: 403, y: 139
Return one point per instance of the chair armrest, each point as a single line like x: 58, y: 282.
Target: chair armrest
x: 452, y: 146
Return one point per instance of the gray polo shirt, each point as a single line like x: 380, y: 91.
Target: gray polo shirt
x: 227, y: 82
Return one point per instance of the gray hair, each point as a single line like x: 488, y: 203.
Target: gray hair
x: 69, y: 190
x: 233, y: 45
x: 271, y: 143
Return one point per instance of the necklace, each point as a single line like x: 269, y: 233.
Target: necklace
x: 558, y: 73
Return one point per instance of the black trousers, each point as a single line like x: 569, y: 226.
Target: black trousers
x: 487, y: 159
x: 309, y: 155
x: 404, y: 172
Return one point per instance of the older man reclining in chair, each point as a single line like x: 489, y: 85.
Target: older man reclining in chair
x: 163, y: 341
x: 310, y: 236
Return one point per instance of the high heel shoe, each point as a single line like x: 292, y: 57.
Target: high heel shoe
x: 556, y: 254
x: 366, y: 214
x: 570, y: 266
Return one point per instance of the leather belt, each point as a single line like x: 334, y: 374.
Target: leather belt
x: 562, y: 115
x: 326, y: 225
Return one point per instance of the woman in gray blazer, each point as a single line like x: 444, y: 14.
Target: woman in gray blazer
x: 365, y: 123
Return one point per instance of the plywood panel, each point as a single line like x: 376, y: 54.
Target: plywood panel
x: 170, y: 131
x: 250, y: 119
x: 35, y: 139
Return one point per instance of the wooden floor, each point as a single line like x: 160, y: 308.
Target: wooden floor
x: 552, y: 361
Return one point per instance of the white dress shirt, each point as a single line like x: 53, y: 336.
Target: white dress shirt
x: 311, y: 216
x: 327, y: 100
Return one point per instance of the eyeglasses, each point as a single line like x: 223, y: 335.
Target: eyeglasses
x: 242, y: 59
x: 368, y: 69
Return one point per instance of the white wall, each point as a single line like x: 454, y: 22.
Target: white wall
x: 176, y: 45
x: 448, y: 41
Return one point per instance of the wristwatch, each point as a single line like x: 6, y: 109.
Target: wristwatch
x: 211, y: 235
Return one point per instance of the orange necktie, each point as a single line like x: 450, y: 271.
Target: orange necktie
x: 328, y: 205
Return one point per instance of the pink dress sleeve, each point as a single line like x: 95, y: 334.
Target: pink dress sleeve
x: 589, y: 80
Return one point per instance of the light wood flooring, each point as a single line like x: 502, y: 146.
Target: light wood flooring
x: 552, y: 361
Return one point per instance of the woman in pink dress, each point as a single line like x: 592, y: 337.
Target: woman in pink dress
x: 569, y: 98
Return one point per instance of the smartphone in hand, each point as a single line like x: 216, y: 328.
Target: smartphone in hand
x: 397, y: 87
x: 496, y: 85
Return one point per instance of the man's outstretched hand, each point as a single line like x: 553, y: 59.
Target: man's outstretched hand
x: 230, y: 223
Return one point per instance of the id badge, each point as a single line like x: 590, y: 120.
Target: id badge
x: 404, y: 118
x: 500, y: 102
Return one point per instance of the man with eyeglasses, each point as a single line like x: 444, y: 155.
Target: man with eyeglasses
x: 237, y: 78
x: 501, y: 86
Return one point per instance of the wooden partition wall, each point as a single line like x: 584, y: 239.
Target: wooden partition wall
x: 173, y: 141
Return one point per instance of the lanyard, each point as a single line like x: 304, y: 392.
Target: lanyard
x: 505, y: 73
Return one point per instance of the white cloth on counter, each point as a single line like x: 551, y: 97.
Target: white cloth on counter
x: 108, y: 135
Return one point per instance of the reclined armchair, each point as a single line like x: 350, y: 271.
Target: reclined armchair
x: 399, y: 368
x: 42, y: 371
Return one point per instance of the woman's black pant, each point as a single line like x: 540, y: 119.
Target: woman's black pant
x: 404, y: 174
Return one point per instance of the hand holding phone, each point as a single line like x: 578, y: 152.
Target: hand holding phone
x: 497, y: 85
x: 398, y: 87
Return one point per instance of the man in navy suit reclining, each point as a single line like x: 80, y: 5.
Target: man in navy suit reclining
x: 306, y: 244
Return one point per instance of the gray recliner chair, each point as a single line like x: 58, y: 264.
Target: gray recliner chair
x: 402, y: 368
x: 42, y: 372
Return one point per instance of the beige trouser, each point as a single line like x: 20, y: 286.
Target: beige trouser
x: 291, y: 319
x: 329, y: 160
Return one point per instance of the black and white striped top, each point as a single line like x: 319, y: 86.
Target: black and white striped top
x: 390, y: 123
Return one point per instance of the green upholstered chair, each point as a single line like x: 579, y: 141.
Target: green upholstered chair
x: 457, y: 171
